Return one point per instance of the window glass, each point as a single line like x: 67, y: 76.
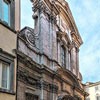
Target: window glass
x: 4, y: 73
x: 6, y: 12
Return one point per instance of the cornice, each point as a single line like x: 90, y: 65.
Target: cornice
x: 72, y: 25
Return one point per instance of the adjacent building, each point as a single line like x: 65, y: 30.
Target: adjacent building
x: 8, y: 41
x: 94, y: 90
x: 48, y: 55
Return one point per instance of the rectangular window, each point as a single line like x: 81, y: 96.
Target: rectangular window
x: 98, y: 98
x: 63, y: 56
x: 5, y: 9
x: 6, y: 12
x: 96, y: 88
x: 4, y: 75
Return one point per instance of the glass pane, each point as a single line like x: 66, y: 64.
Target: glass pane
x: 5, y: 75
x: 6, y: 12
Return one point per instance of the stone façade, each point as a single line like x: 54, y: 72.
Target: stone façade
x: 41, y: 75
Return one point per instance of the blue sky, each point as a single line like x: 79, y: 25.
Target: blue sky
x: 87, y: 17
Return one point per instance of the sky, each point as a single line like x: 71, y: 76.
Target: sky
x: 86, y: 14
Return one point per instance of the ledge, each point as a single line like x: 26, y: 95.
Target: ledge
x: 7, y: 26
x: 7, y: 91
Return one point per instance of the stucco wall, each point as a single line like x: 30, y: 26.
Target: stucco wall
x: 4, y: 96
x: 8, y: 41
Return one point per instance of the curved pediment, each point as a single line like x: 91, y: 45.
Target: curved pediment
x: 65, y: 72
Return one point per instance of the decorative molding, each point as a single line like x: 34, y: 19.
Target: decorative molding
x: 25, y: 77
x: 28, y: 34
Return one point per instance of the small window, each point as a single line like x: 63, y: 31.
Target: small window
x: 4, y: 75
x: 63, y: 56
x: 96, y: 88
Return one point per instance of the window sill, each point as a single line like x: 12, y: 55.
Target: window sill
x: 7, y: 26
x: 7, y: 91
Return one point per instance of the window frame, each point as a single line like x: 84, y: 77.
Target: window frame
x: 8, y: 58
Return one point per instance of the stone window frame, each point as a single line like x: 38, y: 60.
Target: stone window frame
x: 7, y: 58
